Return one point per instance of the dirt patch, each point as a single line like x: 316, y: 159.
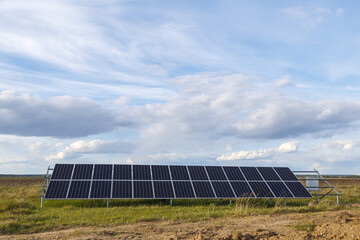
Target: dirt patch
x: 324, y: 225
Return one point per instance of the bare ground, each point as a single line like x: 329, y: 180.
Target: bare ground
x: 321, y: 225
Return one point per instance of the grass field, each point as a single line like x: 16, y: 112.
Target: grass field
x: 20, y: 210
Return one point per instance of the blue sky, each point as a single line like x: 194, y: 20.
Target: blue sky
x: 180, y: 82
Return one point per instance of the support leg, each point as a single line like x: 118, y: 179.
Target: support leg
x: 170, y: 202
x: 337, y: 200
x: 269, y: 201
x: 284, y: 202
x: 230, y: 201
x: 107, y: 203
x: 42, y: 201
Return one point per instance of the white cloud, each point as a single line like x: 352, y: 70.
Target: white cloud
x: 92, y: 147
x: 288, y: 147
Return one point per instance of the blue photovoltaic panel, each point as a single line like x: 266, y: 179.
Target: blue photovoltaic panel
x: 298, y: 189
x: 269, y: 173
x: 233, y: 173
x: 100, y: 189
x: 124, y: 181
x: 286, y: 174
x: 183, y: 189
x: 203, y: 189
x: 222, y: 189
x: 143, y: 189
x: 160, y: 172
x: 62, y: 171
x: 102, y: 171
x: 163, y: 189
x: 251, y: 174
x: 197, y: 173
x: 79, y: 189
x: 215, y: 173
x: 83, y: 171
x: 122, y: 172
x: 179, y: 173
x: 242, y: 189
x: 261, y: 189
x: 141, y: 172
x: 279, y: 189
x: 122, y: 189
x: 57, y: 189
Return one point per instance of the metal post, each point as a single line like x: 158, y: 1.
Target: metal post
x: 319, y: 187
x: 170, y: 202
x: 284, y: 202
x: 230, y: 201
x: 337, y: 200
x: 42, y: 201
x: 107, y: 203
x: 269, y: 201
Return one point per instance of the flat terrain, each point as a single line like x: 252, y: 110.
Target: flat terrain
x: 22, y: 218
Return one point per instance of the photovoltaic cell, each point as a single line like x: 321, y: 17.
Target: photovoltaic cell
x: 298, y: 189
x: 183, y: 189
x: 279, y: 189
x: 122, y: 189
x: 100, y: 189
x: 215, y: 173
x: 286, y: 174
x: 103, y: 171
x: 160, y: 172
x: 57, y: 189
x: 79, y: 189
x: 233, y: 173
x: 179, y: 173
x: 62, y: 171
x: 141, y: 172
x: 261, y: 189
x: 242, y: 189
x: 83, y: 171
x: 203, y: 189
x: 163, y: 189
x: 197, y: 173
x: 143, y: 189
x: 122, y: 172
x: 251, y: 174
x: 222, y: 189
x: 268, y: 173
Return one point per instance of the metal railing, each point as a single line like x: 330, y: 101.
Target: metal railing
x: 45, y: 185
x: 315, y: 175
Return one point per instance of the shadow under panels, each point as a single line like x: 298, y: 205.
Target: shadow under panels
x: 125, y: 181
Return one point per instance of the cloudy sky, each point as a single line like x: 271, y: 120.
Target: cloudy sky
x: 180, y: 82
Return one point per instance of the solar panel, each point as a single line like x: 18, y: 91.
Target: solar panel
x: 105, y: 181
x: 268, y: 173
x: 286, y: 174
x: 79, y: 189
x: 183, y: 189
x: 83, y: 171
x: 233, y: 173
x: 160, y: 172
x: 100, y: 189
x: 62, y: 171
x: 179, y: 173
x: 122, y: 189
x: 223, y: 190
x: 163, y: 189
x: 57, y: 189
x: 143, y: 189
x: 122, y: 172
x: 103, y: 172
x: 298, y: 189
x: 197, y: 173
x: 215, y: 173
x: 203, y: 189
x: 251, y: 174
x: 141, y: 172
x: 261, y: 190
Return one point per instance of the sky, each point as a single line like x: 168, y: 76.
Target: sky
x: 245, y: 83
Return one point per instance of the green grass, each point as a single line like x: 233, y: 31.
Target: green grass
x: 20, y: 210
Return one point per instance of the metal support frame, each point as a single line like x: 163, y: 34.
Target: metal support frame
x: 45, y: 185
x: 315, y: 175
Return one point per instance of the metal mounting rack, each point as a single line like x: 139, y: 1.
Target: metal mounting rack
x: 316, y: 190
x: 45, y: 185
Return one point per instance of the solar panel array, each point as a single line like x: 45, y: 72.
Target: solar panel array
x: 100, y: 181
